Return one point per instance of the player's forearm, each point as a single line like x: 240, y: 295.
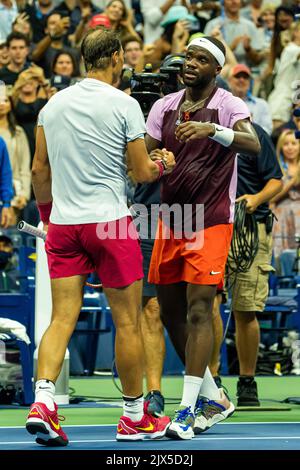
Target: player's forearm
x: 41, y: 183
x: 146, y: 174
x: 245, y: 143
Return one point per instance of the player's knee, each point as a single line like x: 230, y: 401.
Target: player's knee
x: 199, y: 313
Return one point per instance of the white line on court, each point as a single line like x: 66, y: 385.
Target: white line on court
x: 107, y: 425
x: 265, y: 438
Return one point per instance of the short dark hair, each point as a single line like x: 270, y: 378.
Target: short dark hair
x: 97, y: 47
x: 129, y: 39
x: 217, y: 43
x: 18, y: 37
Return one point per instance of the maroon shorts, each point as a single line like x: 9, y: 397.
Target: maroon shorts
x: 111, y: 249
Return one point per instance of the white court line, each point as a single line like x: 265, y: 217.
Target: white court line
x: 265, y: 438
x: 109, y: 425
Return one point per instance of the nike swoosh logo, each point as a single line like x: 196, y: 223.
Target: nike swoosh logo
x: 214, y: 272
x: 56, y: 426
x: 185, y: 428
x: 149, y: 428
x: 119, y: 429
x: 34, y: 413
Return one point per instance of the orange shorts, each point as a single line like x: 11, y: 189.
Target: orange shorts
x: 200, y: 261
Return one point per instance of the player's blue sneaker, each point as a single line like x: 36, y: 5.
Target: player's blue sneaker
x: 210, y: 412
x: 182, y: 424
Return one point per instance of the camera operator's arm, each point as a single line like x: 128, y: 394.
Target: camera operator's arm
x: 143, y: 168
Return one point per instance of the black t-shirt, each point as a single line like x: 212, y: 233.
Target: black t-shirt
x: 10, y: 77
x: 254, y: 173
x: 26, y: 115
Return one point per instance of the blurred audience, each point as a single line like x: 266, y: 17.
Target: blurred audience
x: 19, y: 156
x: 18, y: 48
x: 240, y: 85
x: 286, y: 205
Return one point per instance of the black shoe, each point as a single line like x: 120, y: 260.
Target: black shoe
x: 156, y: 403
x: 247, y: 392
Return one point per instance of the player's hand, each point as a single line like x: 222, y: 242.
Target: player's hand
x: 45, y: 227
x: 194, y: 130
x: 156, y: 154
x: 252, y: 202
x: 169, y: 159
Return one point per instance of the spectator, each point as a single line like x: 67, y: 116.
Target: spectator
x: 6, y: 186
x: 8, y: 12
x: 17, y: 45
x: 235, y: 30
x: 22, y: 25
x: 19, y: 156
x: 80, y: 17
x: 55, y: 41
x: 4, y: 55
x: 120, y: 18
x: 28, y: 101
x: 176, y: 24
x: 280, y: 100
x: 287, y: 202
x: 38, y: 13
x: 8, y: 273
x: 66, y: 7
x: 283, y: 21
x: 240, y: 84
x: 293, y: 124
x: 64, y: 64
x: 252, y: 12
x: 153, y: 13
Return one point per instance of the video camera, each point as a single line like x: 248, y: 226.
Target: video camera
x: 147, y: 87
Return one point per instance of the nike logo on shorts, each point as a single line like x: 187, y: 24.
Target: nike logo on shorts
x: 213, y: 273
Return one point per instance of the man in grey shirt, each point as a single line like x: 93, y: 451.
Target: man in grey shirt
x: 235, y: 29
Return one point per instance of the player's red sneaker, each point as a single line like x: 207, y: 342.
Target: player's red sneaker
x: 45, y: 424
x: 148, y: 427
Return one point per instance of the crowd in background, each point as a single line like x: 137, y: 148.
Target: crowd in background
x: 40, y: 55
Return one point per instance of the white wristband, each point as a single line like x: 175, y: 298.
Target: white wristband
x: 223, y: 135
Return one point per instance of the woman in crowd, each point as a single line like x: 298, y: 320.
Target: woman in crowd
x: 19, y: 155
x: 287, y: 202
x: 28, y: 99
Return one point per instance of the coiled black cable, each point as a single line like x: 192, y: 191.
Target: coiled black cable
x: 244, y: 244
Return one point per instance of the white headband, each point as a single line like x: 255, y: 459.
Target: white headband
x: 210, y: 47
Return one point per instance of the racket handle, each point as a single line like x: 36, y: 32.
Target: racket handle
x: 27, y: 228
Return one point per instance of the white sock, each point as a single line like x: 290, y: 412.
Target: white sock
x: 209, y: 388
x: 191, y: 388
x: 44, y: 393
x: 133, y: 408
